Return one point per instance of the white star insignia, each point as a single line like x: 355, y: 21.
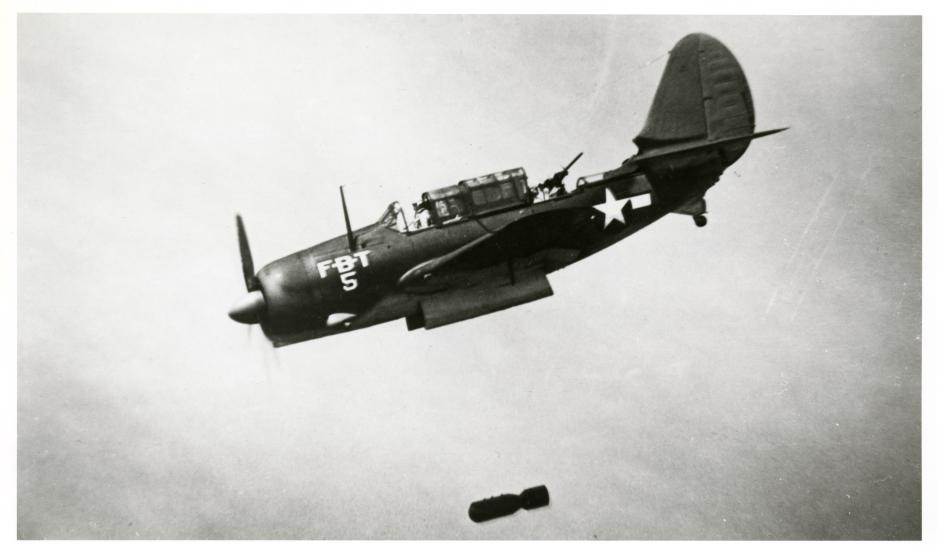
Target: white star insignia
x: 611, y: 208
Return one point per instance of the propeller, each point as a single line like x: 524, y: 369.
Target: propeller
x: 249, y: 307
x: 247, y: 263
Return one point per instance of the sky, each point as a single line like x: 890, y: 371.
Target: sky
x: 758, y: 378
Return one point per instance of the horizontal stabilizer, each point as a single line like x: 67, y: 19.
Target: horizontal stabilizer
x: 698, y: 146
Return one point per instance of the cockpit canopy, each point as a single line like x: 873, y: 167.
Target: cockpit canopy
x: 468, y: 198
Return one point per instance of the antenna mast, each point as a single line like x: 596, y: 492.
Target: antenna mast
x: 351, y: 237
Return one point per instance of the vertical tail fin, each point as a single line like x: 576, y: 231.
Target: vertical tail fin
x: 702, y: 97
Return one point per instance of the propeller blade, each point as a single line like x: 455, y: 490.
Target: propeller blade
x: 247, y: 263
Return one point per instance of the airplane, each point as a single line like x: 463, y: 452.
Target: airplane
x: 488, y: 243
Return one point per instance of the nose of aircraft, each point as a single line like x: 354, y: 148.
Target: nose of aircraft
x: 248, y: 308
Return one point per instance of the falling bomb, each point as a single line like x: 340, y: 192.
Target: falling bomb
x: 507, y: 504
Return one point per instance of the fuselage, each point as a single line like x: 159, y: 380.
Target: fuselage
x: 487, y: 243
x: 331, y: 288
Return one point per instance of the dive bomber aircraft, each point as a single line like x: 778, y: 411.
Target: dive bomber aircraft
x: 487, y: 243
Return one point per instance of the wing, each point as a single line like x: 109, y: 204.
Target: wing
x: 546, y: 241
x: 459, y: 304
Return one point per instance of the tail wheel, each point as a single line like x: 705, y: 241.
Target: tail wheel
x: 700, y: 220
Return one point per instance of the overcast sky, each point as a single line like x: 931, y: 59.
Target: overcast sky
x: 758, y: 378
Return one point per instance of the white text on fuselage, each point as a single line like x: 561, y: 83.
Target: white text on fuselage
x: 345, y: 266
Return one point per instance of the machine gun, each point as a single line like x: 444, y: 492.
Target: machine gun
x: 556, y: 182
